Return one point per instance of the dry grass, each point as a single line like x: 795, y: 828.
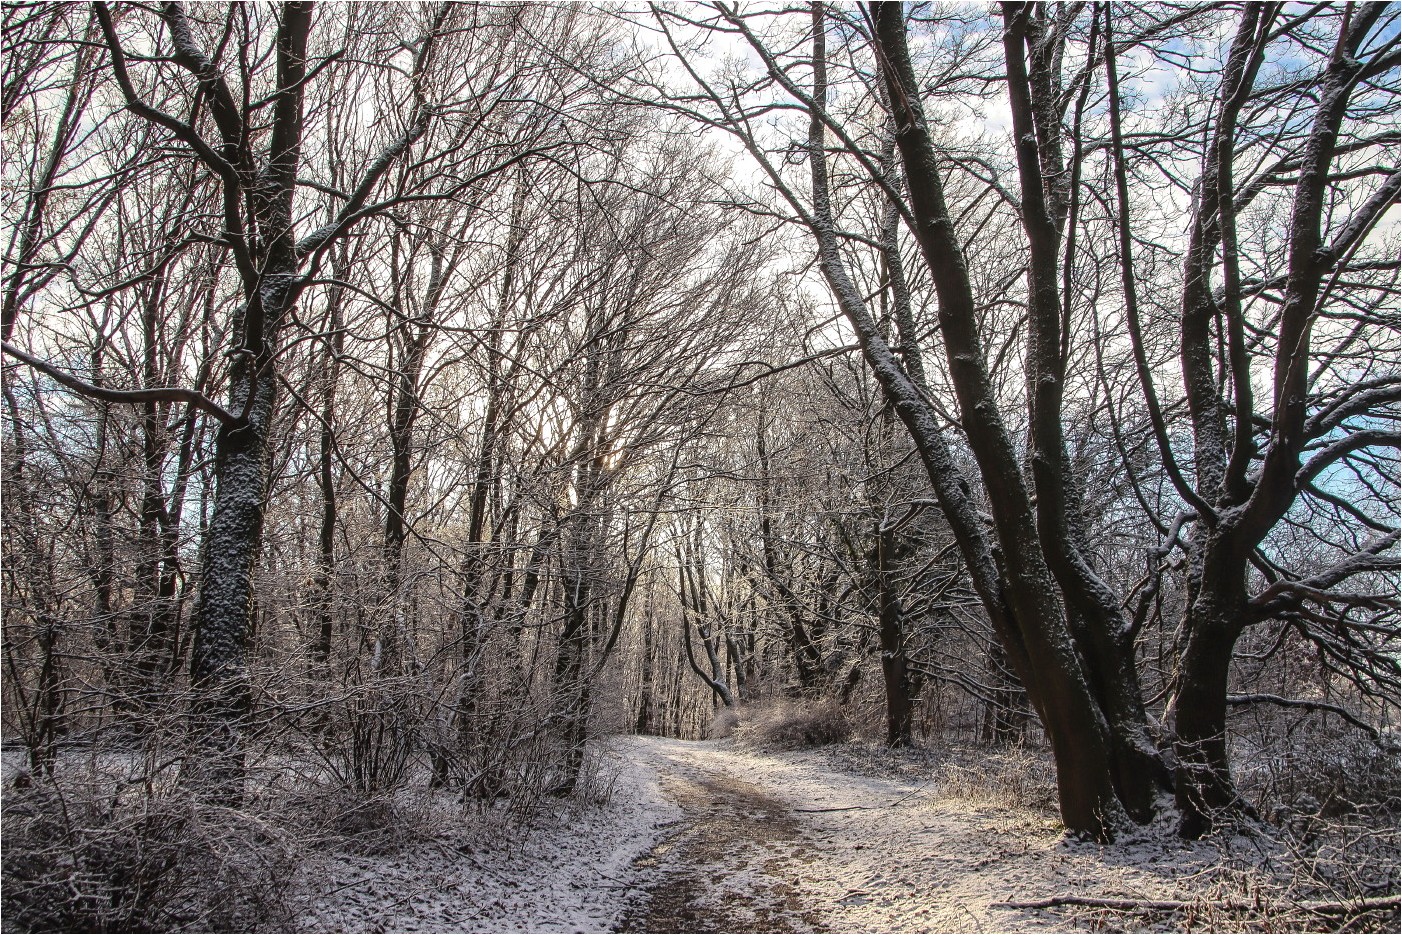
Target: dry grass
x: 1014, y: 777
x: 793, y: 725
x: 1005, y: 777
x: 1327, y: 861
x: 724, y: 724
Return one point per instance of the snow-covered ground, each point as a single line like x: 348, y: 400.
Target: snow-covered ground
x: 572, y: 872
x: 706, y: 836
x: 863, y: 854
x: 710, y: 836
x: 686, y: 836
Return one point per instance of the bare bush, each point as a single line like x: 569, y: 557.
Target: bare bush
x: 1269, y: 880
x: 1015, y: 777
x: 138, y: 857
x: 1309, y: 771
x: 724, y: 724
x: 367, y: 739
x: 597, y: 779
x: 334, y: 817
x: 502, y: 754
x: 1331, y: 803
x: 793, y: 725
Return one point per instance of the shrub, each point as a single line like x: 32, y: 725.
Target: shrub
x: 89, y: 858
x: 367, y: 740
x: 1015, y: 777
x: 794, y: 725
x: 723, y: 725
x: 1351, y: 775
x: 597, y: 779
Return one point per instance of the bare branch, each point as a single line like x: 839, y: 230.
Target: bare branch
x: 149, y: 394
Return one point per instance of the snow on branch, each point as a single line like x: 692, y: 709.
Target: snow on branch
x: 148, y: 394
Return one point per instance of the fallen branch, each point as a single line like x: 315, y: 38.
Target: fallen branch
x: 856, y: 808
x: 1375, y: 904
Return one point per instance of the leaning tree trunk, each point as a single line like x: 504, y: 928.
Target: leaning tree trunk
x: 1093, y: 611
x: 1019, y: 593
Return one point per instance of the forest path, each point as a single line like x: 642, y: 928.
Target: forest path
x: 706, y: 836
x: 731, y: 861
x: 787, y: 843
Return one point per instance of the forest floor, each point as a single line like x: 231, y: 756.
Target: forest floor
x: 710, y: 837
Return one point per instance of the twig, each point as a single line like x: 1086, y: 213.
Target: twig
x: 1375, y: 904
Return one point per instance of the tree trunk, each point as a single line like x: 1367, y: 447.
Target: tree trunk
x: 643, y: 725
x: 807, y: 659
x: 1093, y: 612
x: 569, y: 692
x: 150, y: 619
x: 394, y: 648
x: 1024, y: 607
x: 323, y: 595
x: 1243, y: 495
x: 219, y: 664
x: 895, y: 671
x: 1212, y: 623
x: 271, y: 282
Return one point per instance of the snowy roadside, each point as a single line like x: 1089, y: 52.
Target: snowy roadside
x: 573, y: 872
x: 708, y: 836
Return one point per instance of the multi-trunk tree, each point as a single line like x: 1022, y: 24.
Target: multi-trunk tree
x: 1270, y: 409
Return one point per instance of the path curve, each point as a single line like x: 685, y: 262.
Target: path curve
x: 787, y: 843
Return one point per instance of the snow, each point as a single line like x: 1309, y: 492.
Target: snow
x: 712, y: 836
x: 709, y: 835
x: 571, y: 872
x: 905, y: 855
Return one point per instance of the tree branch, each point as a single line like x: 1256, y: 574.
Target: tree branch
x: 1346, y: 714
x: 149, y: 394
x: 1368, y: 438
x: 1377, y: 904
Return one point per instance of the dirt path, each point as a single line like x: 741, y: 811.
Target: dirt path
x: 729, y: 865
x: 788, y: 844
x: 705, y: 836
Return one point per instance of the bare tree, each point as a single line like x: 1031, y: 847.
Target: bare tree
x: 1038, y: 568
